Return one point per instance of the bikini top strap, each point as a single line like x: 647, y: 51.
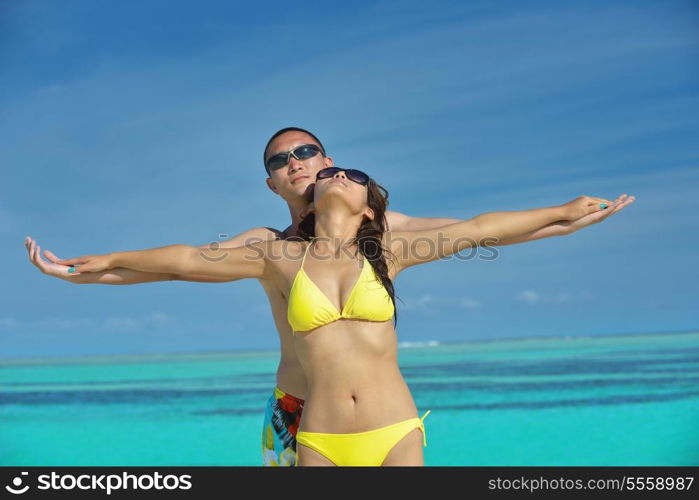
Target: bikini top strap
x: 306, y: 251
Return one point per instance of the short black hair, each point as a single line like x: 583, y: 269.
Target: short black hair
x: 284, y: 130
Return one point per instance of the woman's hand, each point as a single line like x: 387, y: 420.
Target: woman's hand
x: 89, y: 264
x: 52, y: 268
x: 586, y: 205
x: 65, y: 268
x: 598, y: 215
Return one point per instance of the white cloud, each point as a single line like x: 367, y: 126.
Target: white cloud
x: 427, y: 302
x: 8, y: 323
x: 92, y: 324
x: 424, y: 300
x: 470, y: 303
x: 135, y: 323
x: 529, y: 296
x: 534, y: 297
x: 8, y: 221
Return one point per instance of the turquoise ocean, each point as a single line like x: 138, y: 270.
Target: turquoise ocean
x: 613, y: 400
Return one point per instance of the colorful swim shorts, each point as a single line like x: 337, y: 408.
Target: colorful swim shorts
x: 282, y: 418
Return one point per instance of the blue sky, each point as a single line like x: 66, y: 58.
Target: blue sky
x: 134, y: 125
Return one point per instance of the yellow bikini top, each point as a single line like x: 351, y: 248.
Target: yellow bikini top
x: 308, y: 307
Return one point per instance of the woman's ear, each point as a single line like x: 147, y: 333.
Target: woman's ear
x: 369, y: 213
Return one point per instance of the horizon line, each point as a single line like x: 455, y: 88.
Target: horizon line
x: 401, y: 345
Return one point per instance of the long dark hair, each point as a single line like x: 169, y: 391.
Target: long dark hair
x: 369, y: 235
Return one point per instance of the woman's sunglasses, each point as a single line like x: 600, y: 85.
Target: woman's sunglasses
x: 302, y: 152
x: 354, y: 175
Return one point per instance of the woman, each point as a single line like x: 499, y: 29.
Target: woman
x: 358, y: 409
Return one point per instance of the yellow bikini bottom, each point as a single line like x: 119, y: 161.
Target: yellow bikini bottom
x: 361, y: 448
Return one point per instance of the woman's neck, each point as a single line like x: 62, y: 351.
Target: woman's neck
x: 336, y: 231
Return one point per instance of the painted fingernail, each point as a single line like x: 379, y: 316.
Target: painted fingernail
x: 71, y: 270
x: 603, y: 205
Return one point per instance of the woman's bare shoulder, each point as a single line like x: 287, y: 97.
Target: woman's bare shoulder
x: 284, y: 253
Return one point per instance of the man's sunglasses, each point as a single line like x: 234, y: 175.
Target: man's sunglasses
x: 302, y: 152
x: 354, y: 175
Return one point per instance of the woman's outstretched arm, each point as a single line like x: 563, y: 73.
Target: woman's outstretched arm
x: 566, y: 227
x: 121, y: 276
x: 398, y: 221
x: 418, y: 247
x: 248, y: 261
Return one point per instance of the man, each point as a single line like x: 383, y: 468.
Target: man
x: 292, y: 157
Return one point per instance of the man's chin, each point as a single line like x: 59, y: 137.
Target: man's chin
x: 301, y: 188
x: 303, y: 185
